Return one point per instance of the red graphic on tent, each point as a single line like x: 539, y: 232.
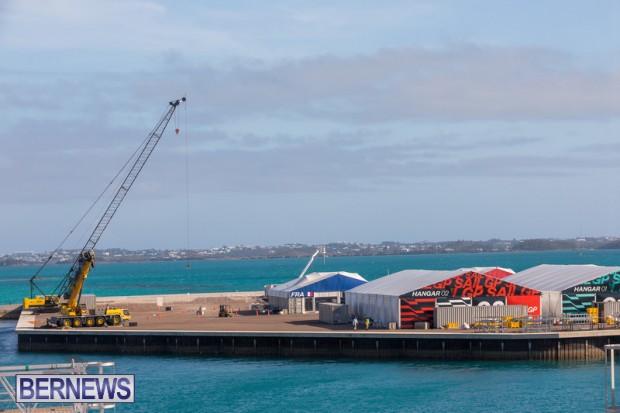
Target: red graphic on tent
x: 499, y: 273
x: 473, y: 284
x: 414, y: 310
x: 532, y: 303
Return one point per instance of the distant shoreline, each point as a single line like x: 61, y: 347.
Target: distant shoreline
x: 299, y: 251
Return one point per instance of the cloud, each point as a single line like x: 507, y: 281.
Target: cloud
x: 53, y: 159
x: 600, y: 148
x: 105, y: 26
x: 347, y: 123
x: 458, y: 84
x: 5, y: 162
x: 324, y: 164
x: 463, y: 83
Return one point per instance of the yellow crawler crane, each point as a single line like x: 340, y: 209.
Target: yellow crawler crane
x: 66, y: 296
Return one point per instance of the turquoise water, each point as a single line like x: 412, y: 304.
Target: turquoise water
x: 253, y: 275
x: 210, y: 384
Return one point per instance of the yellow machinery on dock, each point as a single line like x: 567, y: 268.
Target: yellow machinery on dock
x: 225, y: 310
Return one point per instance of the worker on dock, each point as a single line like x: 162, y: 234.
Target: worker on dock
x: 367, y: 323
x: 355, y: 323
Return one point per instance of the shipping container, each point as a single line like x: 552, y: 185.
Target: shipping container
x: 460, y: 315
x: 609, y: 308
x: 333, y: 313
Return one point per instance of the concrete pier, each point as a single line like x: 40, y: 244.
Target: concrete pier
x: 437, y: 345
x: 179, y: 328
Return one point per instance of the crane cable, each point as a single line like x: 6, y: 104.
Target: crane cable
x: 186, y: 182
x: 176, y: 129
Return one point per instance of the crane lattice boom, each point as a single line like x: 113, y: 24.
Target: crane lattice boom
x: 71, y: 285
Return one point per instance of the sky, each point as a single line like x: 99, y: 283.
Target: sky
x: 310, y: 121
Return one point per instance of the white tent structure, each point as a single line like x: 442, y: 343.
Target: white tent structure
x: 565, y: 286
x: 379, y: 299
x: 547, y: 277
x: 306, y: 292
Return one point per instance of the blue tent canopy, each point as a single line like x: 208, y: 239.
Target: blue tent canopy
x: 318, y: 282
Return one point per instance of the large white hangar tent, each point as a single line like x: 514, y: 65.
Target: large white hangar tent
x: 411, y: 296
x: 380, y: 299
x: 306, y: 292
x: 570, y: 289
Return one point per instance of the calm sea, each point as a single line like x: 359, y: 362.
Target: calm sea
x: 253, y: 275
x: 208, y: 384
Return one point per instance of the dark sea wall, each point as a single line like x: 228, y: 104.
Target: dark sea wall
x: 10, y: 312
x: 312, y: 345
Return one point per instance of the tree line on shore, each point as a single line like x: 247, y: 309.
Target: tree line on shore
x: 334, y: 249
